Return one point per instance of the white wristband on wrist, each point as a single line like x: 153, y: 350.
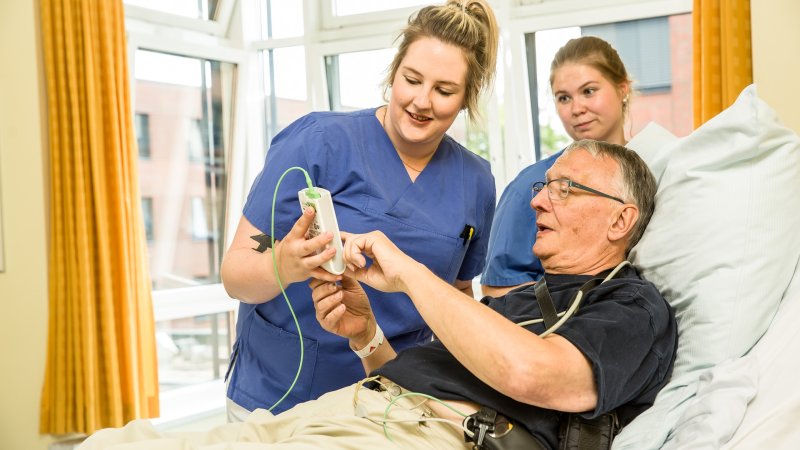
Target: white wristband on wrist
x: 373, y: 345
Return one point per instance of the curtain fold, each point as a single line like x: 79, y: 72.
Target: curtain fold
x: 101, y: 368
x: 722, y: 55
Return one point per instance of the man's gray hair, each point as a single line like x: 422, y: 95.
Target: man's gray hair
x: 637, y: 184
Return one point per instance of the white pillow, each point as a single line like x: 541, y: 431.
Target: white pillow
x: 651, y: 143
x: 721, y: 246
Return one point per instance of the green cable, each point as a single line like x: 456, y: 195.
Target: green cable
x: 412, y: 394
x: 312, y: 193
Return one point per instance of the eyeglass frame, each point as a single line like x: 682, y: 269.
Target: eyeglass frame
x: 539, y: 185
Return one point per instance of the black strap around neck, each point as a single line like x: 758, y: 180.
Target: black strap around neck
x: 546, y: 306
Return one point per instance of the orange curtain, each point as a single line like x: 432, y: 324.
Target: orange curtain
x: 723, y: 60
x: 101, y: 360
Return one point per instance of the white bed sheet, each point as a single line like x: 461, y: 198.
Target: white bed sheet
x: 772, y: 419
x: 752, y: 402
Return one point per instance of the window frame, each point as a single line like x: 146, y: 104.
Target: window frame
x: 365, y: 21
x: 218, y: 26
x: 550, y: 14
x: 160, y: 34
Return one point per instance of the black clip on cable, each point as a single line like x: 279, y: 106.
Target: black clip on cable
x: 479, y: 424
x: 491, y: 431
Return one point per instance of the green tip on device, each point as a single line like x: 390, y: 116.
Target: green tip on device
x: 312, y: 192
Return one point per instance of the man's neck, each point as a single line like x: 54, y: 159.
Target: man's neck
x: 580, y: 268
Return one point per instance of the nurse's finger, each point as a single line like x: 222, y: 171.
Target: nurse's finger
x: 352, y: 252
x: 314, y: 259
x: 300, y: 228
x: 317, y: 243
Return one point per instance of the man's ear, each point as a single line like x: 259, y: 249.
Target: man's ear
x: 622, y: 221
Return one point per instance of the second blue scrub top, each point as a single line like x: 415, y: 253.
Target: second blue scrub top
x: 351, y: 155
x: 510, y: 260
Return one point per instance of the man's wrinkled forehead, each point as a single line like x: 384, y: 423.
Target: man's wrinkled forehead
x: 567, y: 166
x: 579, y: 164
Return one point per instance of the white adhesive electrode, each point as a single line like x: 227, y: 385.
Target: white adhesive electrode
x: 324, y: 220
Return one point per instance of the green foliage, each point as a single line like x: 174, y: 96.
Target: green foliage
x: 550, y: 140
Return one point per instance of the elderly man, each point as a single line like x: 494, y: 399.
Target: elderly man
x: 614, y: 353
x: 592, y: 338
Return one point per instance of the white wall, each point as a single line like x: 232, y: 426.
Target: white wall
x: 23, y: 285
x: 776, y: 46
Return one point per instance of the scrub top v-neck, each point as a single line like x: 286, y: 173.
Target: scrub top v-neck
x: 442, y: 220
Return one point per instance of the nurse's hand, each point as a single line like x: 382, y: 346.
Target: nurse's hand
x: 342, y: 309
x: 389, y: 263
x: 297, y: 256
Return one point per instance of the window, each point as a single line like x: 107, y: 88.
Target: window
x: 653, y: 51
x: 141, y: 125
x: 200, y: 220
x: 281, y: 19
x: 187, y: 102
x: 644, y: 47
x: 284, y: 87
x: 196, y: 140
x: 147, y: 213
x: 192, y: 350
x: 355, y: 79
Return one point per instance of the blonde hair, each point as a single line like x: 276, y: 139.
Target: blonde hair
x: 467, y: 24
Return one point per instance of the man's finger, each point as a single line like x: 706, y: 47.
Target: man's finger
x: 323, y: 274
x: 348, y: 282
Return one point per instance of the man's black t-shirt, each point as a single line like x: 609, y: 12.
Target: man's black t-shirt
x: 624, y: 327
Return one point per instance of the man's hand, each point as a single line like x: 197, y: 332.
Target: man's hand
x: 343, y: 310
x: 389, y: 263
x: 297, y: 256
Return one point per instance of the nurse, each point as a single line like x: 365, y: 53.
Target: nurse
x: 591, y: 89
x: 390, y: 168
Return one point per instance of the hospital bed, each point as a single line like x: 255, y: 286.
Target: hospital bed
x: 723, y: 247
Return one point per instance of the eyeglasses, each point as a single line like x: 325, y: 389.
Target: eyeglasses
x: 558, y: 189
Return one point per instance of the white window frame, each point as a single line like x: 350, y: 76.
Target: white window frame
x: 161, y: 32
x: 365, y: 21
x: 216, y: 27
x: 201, y: 399
x: 545, y: 15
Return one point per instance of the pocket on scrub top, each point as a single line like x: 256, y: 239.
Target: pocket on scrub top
x: 440, y: 253
x: 268, y: 363
x: 418, y: 235
x: 458, y: 257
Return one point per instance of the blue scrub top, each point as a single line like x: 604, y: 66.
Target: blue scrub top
x: 351, y: 155
x: 510, y: 260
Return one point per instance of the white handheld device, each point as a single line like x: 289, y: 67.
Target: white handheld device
x: 324, y: 220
